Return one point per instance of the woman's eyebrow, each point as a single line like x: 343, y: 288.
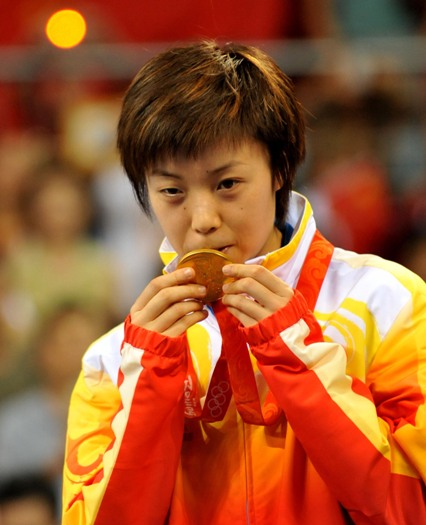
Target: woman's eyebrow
x: 225, y: 167
x: 164, y: 173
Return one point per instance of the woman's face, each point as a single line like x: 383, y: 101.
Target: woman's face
x: 223, y: 200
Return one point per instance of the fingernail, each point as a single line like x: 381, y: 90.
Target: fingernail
x: 187, y: 272
x: 227, y: 269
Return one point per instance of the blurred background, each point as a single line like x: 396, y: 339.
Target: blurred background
x: 75, y: 250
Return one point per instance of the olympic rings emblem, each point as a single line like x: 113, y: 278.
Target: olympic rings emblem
x: 218, y: 398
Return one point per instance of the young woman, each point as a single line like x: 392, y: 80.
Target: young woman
x: 295, y: 398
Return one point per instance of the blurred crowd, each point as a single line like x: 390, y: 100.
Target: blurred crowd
x: 75, y: 250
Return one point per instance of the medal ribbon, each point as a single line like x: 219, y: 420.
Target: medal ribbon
x: 233, y: 373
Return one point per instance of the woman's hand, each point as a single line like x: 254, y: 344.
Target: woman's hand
x: 255, y: 293
x: 170, y: 304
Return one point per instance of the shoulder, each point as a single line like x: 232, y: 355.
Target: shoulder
x: 373, y: 273
x: 373, y: 285
x: 103, y: 356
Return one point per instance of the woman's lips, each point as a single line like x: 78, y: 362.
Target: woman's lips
x: 224, y: 248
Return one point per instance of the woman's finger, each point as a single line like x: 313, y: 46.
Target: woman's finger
x: 260, y: 284
x: 164, y: 299
x: 177, y: 278
x: 169, y: 317
x: 185, y: 322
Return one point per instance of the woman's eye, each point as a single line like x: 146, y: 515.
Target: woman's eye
x: 170, y: 191
x: 227, y: 184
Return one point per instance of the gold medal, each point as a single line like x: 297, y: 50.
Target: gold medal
x: 208, y: 266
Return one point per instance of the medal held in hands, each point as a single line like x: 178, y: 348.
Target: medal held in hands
x: 208, y: 266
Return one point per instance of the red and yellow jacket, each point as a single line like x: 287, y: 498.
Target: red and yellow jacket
x: 348, y: 447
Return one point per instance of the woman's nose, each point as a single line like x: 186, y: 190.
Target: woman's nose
x: 205, y: 218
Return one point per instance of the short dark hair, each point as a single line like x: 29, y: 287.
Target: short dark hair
x: 190, y: 98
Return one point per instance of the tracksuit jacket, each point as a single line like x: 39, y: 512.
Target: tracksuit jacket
x: 343, y: 375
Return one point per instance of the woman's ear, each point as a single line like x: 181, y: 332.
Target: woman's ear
x: 278, y: 182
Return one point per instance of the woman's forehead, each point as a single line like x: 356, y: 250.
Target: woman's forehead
x: 214, y: 151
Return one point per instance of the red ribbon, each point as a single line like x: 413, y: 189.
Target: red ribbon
x: 233, y: 373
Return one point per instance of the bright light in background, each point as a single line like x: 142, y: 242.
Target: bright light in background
x: 66, y: 28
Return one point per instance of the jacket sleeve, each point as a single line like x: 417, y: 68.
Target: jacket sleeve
x: 366, y: 438
x: 123, y: 442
